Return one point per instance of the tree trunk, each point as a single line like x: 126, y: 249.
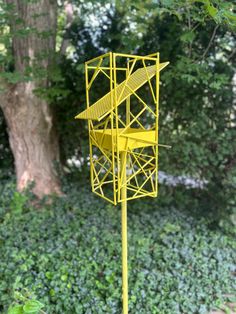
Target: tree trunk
x: 32, y: 135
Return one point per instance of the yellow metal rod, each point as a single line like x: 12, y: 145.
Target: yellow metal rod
x: 133, y: 56
x: 124, y: 233
x: 107, y: 68
x: 97, y: 58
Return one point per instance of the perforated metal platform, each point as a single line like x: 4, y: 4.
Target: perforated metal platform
x: 103, y: 106
x: 130, y: 139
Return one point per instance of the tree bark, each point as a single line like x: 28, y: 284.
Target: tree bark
x: 29, y: 118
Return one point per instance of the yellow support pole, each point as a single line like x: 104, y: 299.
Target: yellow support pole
x: 124, y: 233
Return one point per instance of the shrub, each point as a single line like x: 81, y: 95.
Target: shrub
x: 68, y: 254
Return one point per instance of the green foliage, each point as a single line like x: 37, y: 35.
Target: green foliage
x: 68, y: 254
x: 220, y: 11
x: 18, y: 202
x: 12, y: 202
x: 25, y: 303
x: 197, y: 112
x: 16, y: 309
x: 6, y: 191
x: 32, y: 306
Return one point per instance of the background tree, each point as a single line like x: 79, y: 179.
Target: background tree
x: 29, y: 118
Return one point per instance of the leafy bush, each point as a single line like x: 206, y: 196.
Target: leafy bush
x: 13, y: 202
x: 25, y: 303
x: 197, y: 96
x: 68, y: 254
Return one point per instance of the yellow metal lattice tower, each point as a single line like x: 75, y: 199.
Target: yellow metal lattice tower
x: 123, y: 132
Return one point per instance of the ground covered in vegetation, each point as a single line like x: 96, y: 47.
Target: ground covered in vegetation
x: 68, y: 254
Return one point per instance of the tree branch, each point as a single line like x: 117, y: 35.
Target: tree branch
x: 210, y: 42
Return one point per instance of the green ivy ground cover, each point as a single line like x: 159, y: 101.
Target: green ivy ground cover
x: 69, y: 255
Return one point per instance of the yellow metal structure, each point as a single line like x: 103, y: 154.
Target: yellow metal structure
x: 123, y: 132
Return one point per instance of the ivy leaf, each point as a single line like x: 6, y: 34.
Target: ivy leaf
x: 32, y: 306
x: 171, y: 228
x: 17, y: 309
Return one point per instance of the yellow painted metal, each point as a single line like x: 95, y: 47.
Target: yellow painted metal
x: 131, y: 138
x: 115, y: 128
x: 123, y: 143
x: 124, y: 234
x: 157, y: 122
x: 123, y: 90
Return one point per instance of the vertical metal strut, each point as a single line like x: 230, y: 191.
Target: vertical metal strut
x: 124, y: 233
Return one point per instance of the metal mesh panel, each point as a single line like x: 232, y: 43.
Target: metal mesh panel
x: 123, y: 91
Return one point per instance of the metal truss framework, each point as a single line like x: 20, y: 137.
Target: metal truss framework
x: 123, y: 143
x: 123, y: 133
